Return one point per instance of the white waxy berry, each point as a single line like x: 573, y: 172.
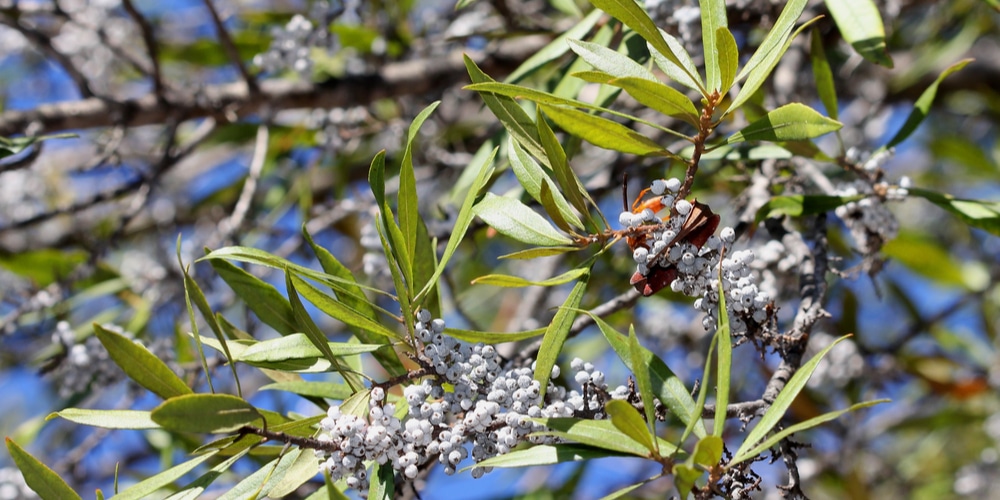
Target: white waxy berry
x: 424, y: 315
x: 683, y: 207
x: 673, y: 184
x: 625, y: 219
x: 639, y: 255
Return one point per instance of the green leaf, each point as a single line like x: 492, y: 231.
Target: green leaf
x: 383, y: 482
x: 462, y: 222
x: 337, y: 310
x: 299, y: 346
x: 328, y: 390
x: 790, y: 122
x: 534, y: 253
x: 261, y: 297
x: 633, y: 16
x: 43, y: 267
x: 474, y: 336
x: 801, y: 204
x: 668, y: 388
x: 565, y: 176
x: 554, y: 49
x: 545, y: 455
x: 295, y: 348
x: 393, y: 242
x: 763, y: 61
x: 723, y: 376
x: 599, y: 434
x: 210, y: 413
x: 685, y: 477
x: 195, y: 488
x: 12, y: 146
x: 107, y: 419
x: 268, y: 476
x: 556, y: 333
x: 783, y: 401
x: 532, y: 178
x: 823, y: 75
x: 38, y: 476
x: 787, y: 431
x: 518, y: 124
x: 713, y: 18
x: 304, y: 468
x: 609, y: 61
x: 602, y: 132
x: 708, y: 451
x: 504, y: 280
x: 516, y: 220
x: 409, y: 214
x: 645, y: 386
x: 729, y: 58
x: 147, y: 486
x: 354, y: 297
x: 681, y: 71
x: 914, y: 251
x: 142, y: 366
x: 982, y: 214
x: 923, y: 105
x: 659, y: 97
x: 860, y: 24
x: 628, y: 420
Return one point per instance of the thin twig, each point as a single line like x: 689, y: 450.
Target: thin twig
x: 43, y: 42
x: 235, y: 221
x: 231, y: 51
x: 151, y: 48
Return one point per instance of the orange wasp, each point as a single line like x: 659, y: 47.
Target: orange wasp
x: 700, y: 224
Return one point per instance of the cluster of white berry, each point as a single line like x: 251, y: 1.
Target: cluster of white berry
x: 291, y: 45
x: 695, y: 270
x: 869, y: 219
x: 484, y: 405
x: 86, y: 364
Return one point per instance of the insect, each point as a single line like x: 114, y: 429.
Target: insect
x: 699, y: 225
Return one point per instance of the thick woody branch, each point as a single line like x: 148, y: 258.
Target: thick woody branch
x: 391, y: 81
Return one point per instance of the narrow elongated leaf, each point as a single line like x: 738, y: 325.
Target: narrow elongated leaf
x: 823, y: 75
x: 627, y: 419
x: 645, y: 386
x: 337, y: 310
x: 507, y: 281
x: 723, y: 378
x: 142, y: 366
x: 107, y: 419
x: 328, y: 390
x: 684, y: 71
x: 554, y: 209
x: 545, y: 455
x: 713, y: 18
x: 923, y: 105
x: 354, y: 297
x: 383, y: 483
x: 860, y: 24
x: 465, y: 215
x: 394, y: 247
x: 565, y: 176
x: 260, y: 483
x: 294, y: 348
x: 299, y: 346
x: 684, y: 478
x: 801, y: 204
x: 982, y: 214
x: 261, y: 297
x: 518, y: 124
x: 790, y: 122
x: 474, y: 336
x: 41, y: 479
x: 532, y: 178
x: 784, y: 400
x: 729, y: 58
x: 212, y: 413
x: 554, y: 49
x: 516, y: 220
x: 659, y: 97
x: 788, y: 431
x: 534, y: 253
x: 195, y: 488
x: 597, y: 433
x: 609, y: 61
x: 555, y: 334
x: 763, y: 61
x: 304, y: 468
x: 147, y: 486
x: 409, y: 215
x: 633, y: 16
x: 602, y: 132
x: 668, y: 388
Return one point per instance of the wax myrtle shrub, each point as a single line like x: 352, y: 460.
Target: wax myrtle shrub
x: 737, y: 220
